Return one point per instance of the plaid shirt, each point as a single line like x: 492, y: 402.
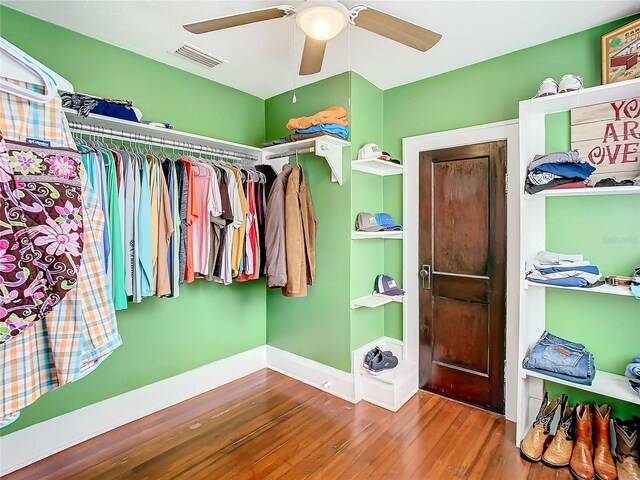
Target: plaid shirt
x: 81, y: 330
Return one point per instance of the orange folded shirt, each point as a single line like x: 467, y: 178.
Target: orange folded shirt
x: 335, y: 115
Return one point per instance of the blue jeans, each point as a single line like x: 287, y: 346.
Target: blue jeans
x: 555, y: 355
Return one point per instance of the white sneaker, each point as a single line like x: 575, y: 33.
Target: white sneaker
x: 570, y: 83
x: 548, y: 87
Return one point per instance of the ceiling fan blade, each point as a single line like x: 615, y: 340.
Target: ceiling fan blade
x: 394, y: 28
x: 312, y: 56
x: 236, y: 20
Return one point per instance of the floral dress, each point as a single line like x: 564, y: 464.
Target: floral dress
x: 41, y: 232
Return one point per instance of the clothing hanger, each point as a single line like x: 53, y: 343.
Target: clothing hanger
x: 20, y: 66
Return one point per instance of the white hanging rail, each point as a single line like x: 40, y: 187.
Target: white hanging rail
x: 117, y: 129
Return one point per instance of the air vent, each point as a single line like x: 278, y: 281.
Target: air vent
x: 196, y: 55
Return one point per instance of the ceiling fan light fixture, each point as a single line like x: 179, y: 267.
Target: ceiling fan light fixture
x: 322, y: 22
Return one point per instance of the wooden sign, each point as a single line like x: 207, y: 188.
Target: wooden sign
x: 608, y: 137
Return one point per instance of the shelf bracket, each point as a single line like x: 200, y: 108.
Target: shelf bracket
x: 330, y: 151
x: 333, y: 155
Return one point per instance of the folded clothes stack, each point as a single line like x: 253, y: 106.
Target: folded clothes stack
x: 557, y: 170
x: 560, y: 358
x: 633, y: 374
x: 560, y: 270
x: 331, y: 121
x: 86, y: 104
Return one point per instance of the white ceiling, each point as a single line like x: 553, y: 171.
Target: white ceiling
x: 260, y: 55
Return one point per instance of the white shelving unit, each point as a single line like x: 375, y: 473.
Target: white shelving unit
x: 326, y: 146
x: 532, y: 319
x: 603, y: 289
x: 372, y: 301
x: 577, y: 192
x: 377, y: 167
x: 604, y: 383
x: 355, y: 235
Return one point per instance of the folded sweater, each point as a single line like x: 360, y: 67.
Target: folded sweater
x: 337, y: 115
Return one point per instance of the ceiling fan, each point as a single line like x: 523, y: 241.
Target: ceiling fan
x: 322, y: 20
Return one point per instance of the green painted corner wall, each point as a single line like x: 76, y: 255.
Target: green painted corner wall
x: 367, y: 256
x: 161, y: 337
x: 317, y: 326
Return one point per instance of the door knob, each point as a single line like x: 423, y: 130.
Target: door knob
x: 425, y: 274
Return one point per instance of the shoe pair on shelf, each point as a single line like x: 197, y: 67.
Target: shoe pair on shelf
x: 376, y: 361
x: 568, y: 83
x: 580, y: 442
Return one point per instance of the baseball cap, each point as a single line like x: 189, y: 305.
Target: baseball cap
x: 365, y: 222
x: 369, y: 151
x: 386, y: 222
x: 386, y: 285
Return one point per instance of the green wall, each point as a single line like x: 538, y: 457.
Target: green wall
x: 367, y: 256
x: 317, y: 326
x: 489, y: 92
x: 162, y: 337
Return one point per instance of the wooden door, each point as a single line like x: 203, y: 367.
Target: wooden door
x: 462, y: 250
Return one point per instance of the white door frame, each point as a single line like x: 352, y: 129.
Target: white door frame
x: 411, y: 148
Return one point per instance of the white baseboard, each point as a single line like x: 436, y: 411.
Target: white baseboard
x: 328, y: 379
x: 43, y: 439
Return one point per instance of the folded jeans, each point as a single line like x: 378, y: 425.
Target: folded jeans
x: 560, y: 356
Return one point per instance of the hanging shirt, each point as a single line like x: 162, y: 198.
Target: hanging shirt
x: 201, y: 233
x: 153, y: 192
x: 144, y: 229
x: 129, y: 217
x: 239, y: 224
x: 165, y: 229
x: 192, y: 215
x: 183, y: 183
x: 117, y: 260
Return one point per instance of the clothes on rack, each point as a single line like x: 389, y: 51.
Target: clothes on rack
x: 556, y: 169
x: 80, y: 331
x: 291, y: 228
x: 174, y: 220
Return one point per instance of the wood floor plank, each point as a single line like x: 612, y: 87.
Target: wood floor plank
x: 268, y: 426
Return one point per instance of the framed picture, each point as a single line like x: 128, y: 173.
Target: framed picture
x: 620, y: 52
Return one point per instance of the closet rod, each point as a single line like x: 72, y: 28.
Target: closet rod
x: 291, y: 154
x: 156, y: 141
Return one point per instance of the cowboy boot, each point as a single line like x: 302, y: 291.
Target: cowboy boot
x: 627, y: 458
x: 533, y: 442
x: 558, y: 453
x: 581, y: 464
x: 602, y: 458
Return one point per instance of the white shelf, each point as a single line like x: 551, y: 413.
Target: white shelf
x: 143, y: 130
x: 604, y: 289
x: 604, y: 383
x: 390, y: 376
x: 355, y: 235
x: 575, y: 192
x: 325, y: 146
x: 377, y: 167
x: 372, y: 301
x: 588, y: 96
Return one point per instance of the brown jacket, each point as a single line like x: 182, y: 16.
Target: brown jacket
x: 300, y: 234
x: 275, y: 242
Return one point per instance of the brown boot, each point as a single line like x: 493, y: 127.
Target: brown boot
x: 558, y: 453
x: 532, y: 444
x: 581, y: 464
x: 627, y: 459
x: 602, y: 458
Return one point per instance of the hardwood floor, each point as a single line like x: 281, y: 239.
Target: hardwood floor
x: 268, y: 426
